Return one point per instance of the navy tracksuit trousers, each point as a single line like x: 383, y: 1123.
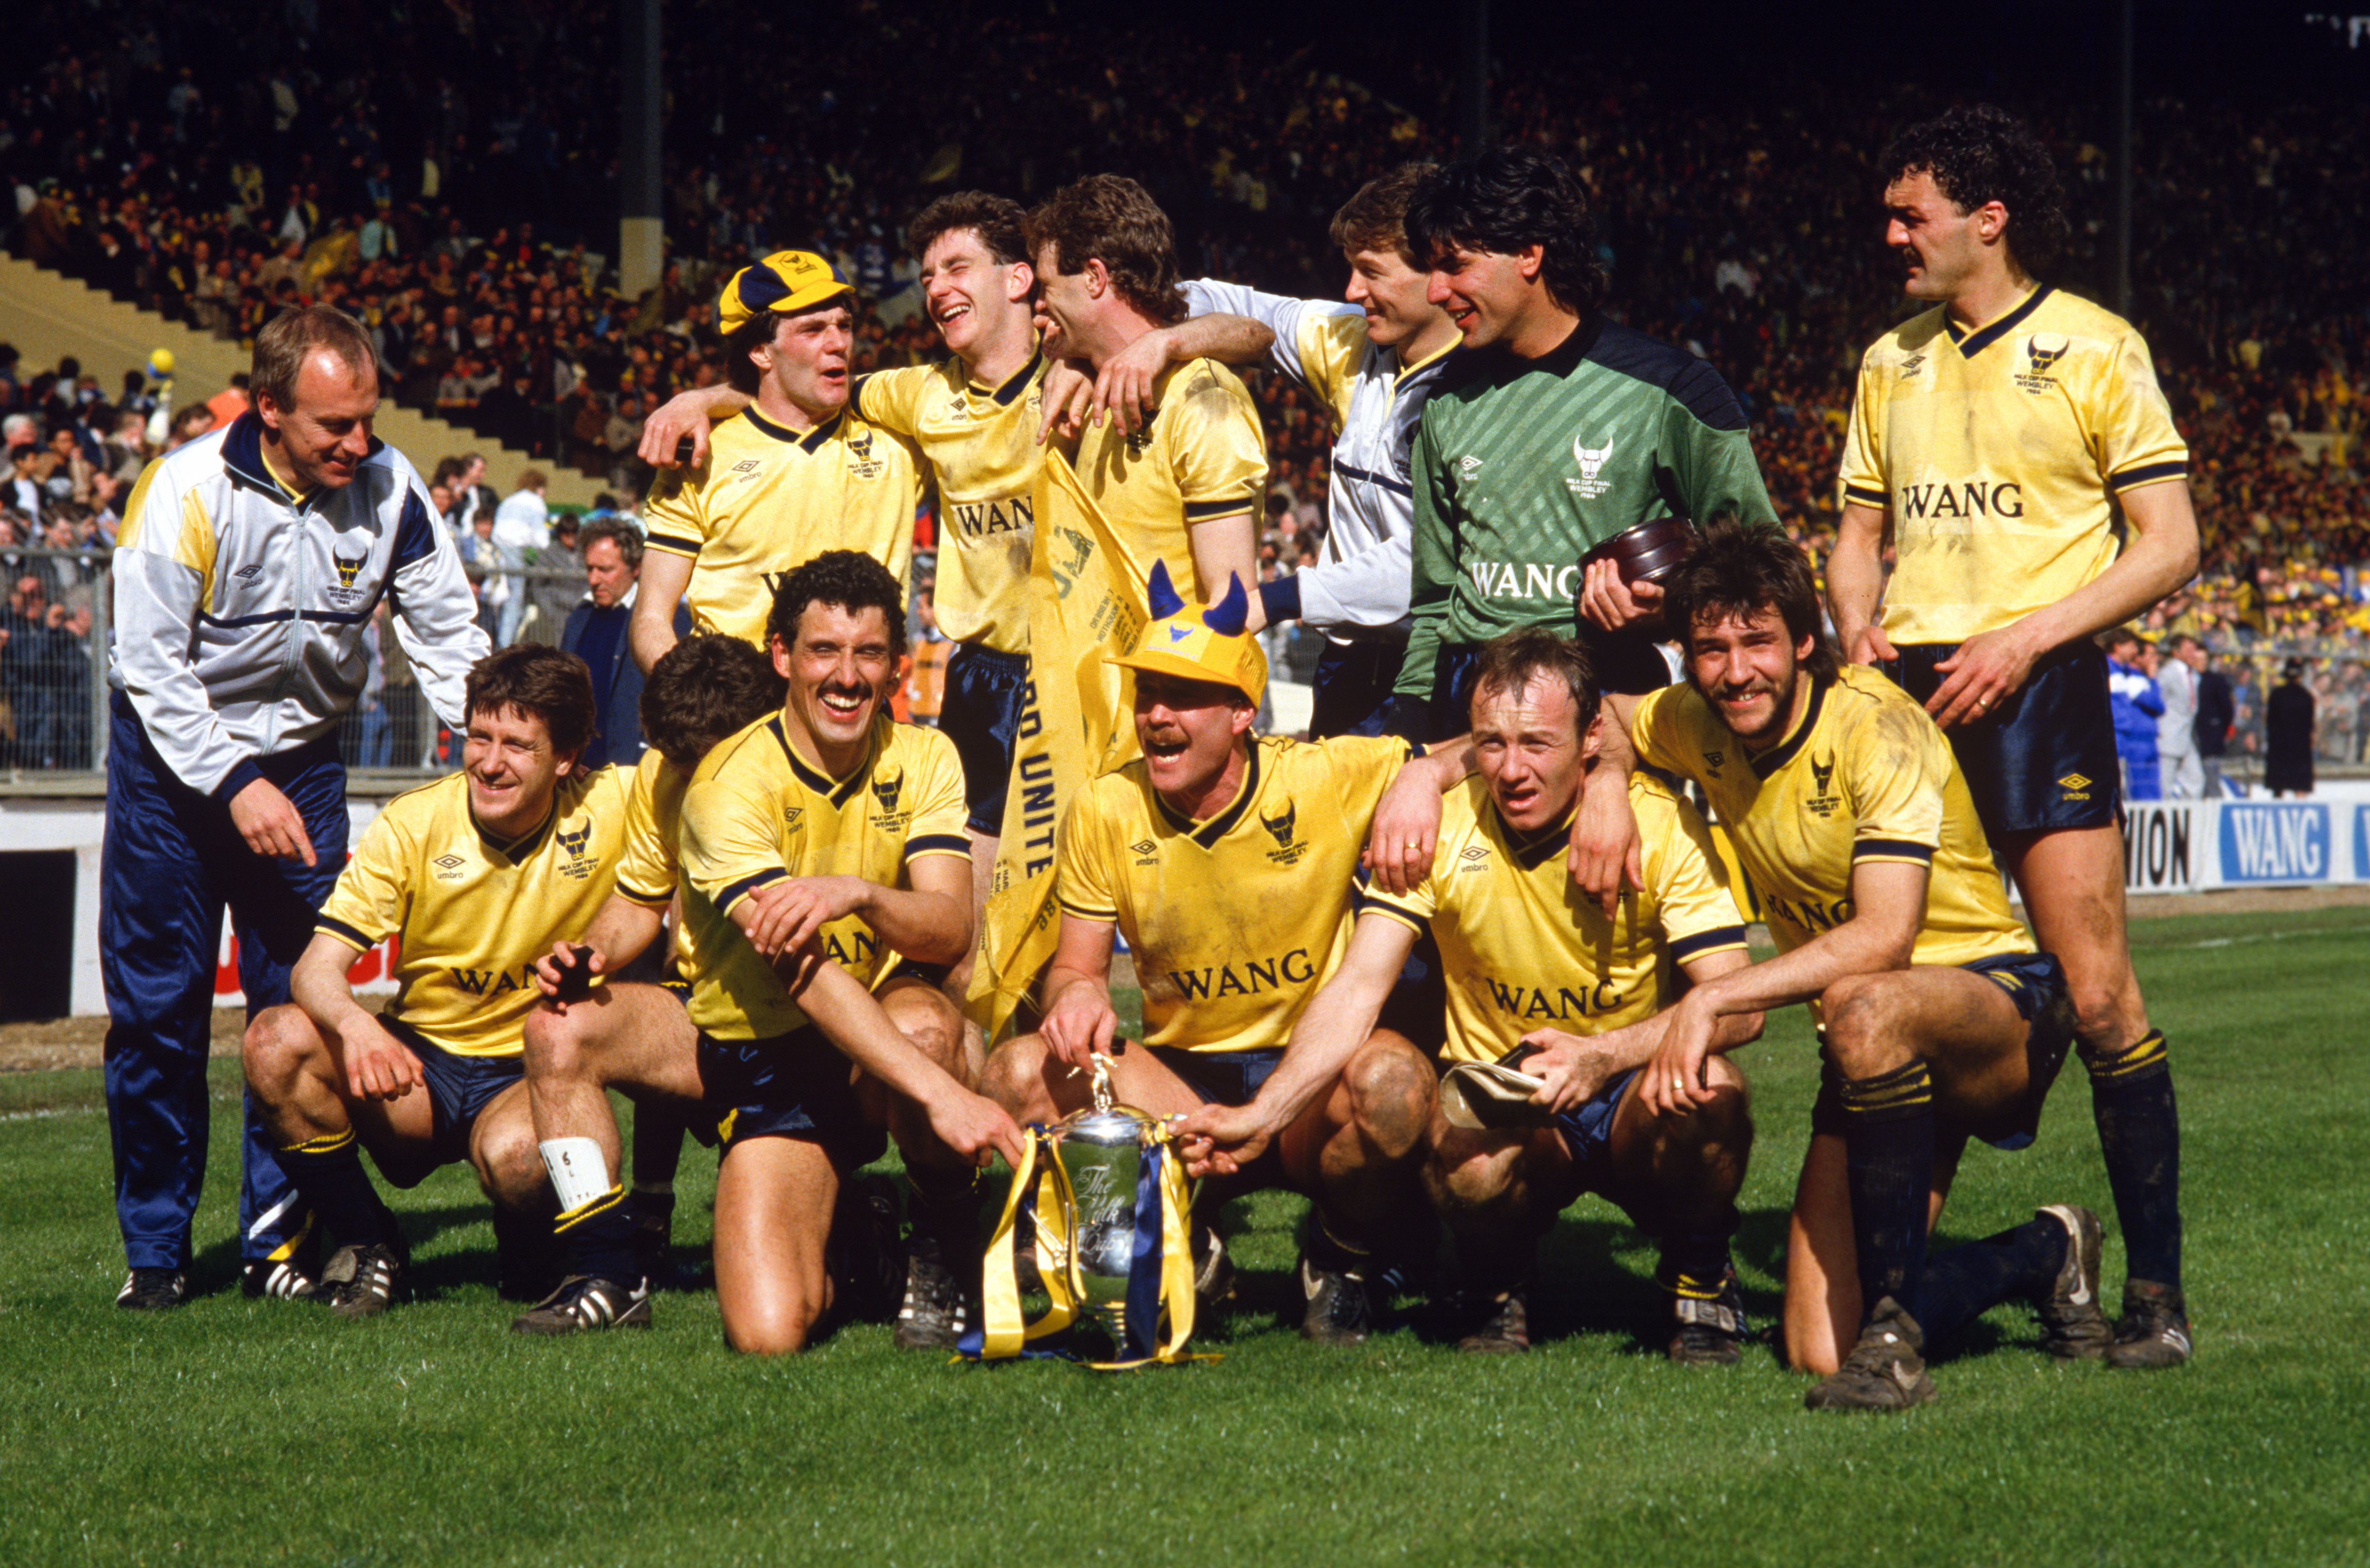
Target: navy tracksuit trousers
x: 170, y: 864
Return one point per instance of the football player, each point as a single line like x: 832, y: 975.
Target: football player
x: 1940, y: 1021
x: 1226, y: 860
x: 1546, y: 982
x: 2013, y: 447
x: 476, y: 875
x: 824, y: 887
x: 791, y: 475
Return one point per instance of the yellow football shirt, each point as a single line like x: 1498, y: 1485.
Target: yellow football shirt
x: 1234, y: 922
x: 1329, y: 347
x: 756, y: 813
x: 648, y: 868
x: 981, y: 444
x: 1521, y: 948
x: 769, y: 499
x: 472, y: 914
x: 1201, y: 458
x: 1864, y: 774
x: 1997, y: 456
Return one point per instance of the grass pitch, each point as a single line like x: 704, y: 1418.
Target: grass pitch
x: 239, y: 1432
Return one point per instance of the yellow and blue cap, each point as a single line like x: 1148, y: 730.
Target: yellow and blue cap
x: 784, y: 282
x: 1195, y: 642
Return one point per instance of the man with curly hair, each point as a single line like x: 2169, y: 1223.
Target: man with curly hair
x: 2013, y: 445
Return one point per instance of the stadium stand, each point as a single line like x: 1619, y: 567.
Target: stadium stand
x: 450, y: 176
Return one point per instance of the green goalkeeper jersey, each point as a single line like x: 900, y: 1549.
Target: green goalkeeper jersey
x: 1523, y: 466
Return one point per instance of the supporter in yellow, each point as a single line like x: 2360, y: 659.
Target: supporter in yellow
x: 473, y: 876
x: 2012, y: 447
x: 1939, y: 1021
x: 822, y: 882
x: 1226, y: 862
x: 1186, y: 488
x: 1546, y: 982
x: 794, y: 474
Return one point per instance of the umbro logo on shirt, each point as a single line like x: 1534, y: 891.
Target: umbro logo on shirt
x: 1466, y: 464
x: 248, y: 573
x: 448, y: 867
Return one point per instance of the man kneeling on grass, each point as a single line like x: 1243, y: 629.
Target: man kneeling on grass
x: 476, y: 875
x: 1939, y: 1022
x: 702, y: 689
x: 1545, y: 982
x: 825, y: 885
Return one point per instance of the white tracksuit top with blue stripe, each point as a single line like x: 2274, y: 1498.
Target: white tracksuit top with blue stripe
x: 239, y: 610
x: 1361, y: 581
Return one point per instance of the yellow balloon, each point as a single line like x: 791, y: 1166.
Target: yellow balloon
x: 161, y: 363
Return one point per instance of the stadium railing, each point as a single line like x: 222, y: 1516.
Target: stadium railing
x: 53, y: 692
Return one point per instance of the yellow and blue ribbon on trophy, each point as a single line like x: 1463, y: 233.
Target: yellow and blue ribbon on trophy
x: 1158, y: 1315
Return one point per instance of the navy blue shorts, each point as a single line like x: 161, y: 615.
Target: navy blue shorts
x: 459, y: 1088
x: 2044, y: 760
x: 1232, y: 1078
x: 1351, y: 694
x: 1221, y: 1078
x: 1588, y: 1131
x: 2036, y: 983
x: 794, y: 1085
x: 980, y: 713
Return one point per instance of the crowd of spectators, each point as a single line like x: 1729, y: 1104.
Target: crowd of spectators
x: 449, y: 173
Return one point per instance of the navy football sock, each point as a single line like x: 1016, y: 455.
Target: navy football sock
x: 1332, y: 1245
x: 326, y: 1172
x: 2139, y: 1135
x: 659, y: 1129
x: 1695, y: 1266
x: 599, y: 1235
x: 1966, y: 1282
x: 1889, y: 1166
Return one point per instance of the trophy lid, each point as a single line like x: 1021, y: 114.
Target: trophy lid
x: 1106, y: 1121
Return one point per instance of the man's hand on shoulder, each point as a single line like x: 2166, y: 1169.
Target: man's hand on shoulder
x: 685, y: 414
x: 1124, y: 386
x: 1068, y: 398
x: 270, y: 823
x: 1606, y: 856
x: 1404, y: 832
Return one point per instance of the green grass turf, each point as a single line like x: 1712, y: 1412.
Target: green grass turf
x: 238, y: 1431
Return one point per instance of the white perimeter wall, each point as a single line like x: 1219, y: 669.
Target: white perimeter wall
x: 2172, y: 847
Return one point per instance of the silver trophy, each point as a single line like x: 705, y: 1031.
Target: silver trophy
x: 1101, y: 1150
